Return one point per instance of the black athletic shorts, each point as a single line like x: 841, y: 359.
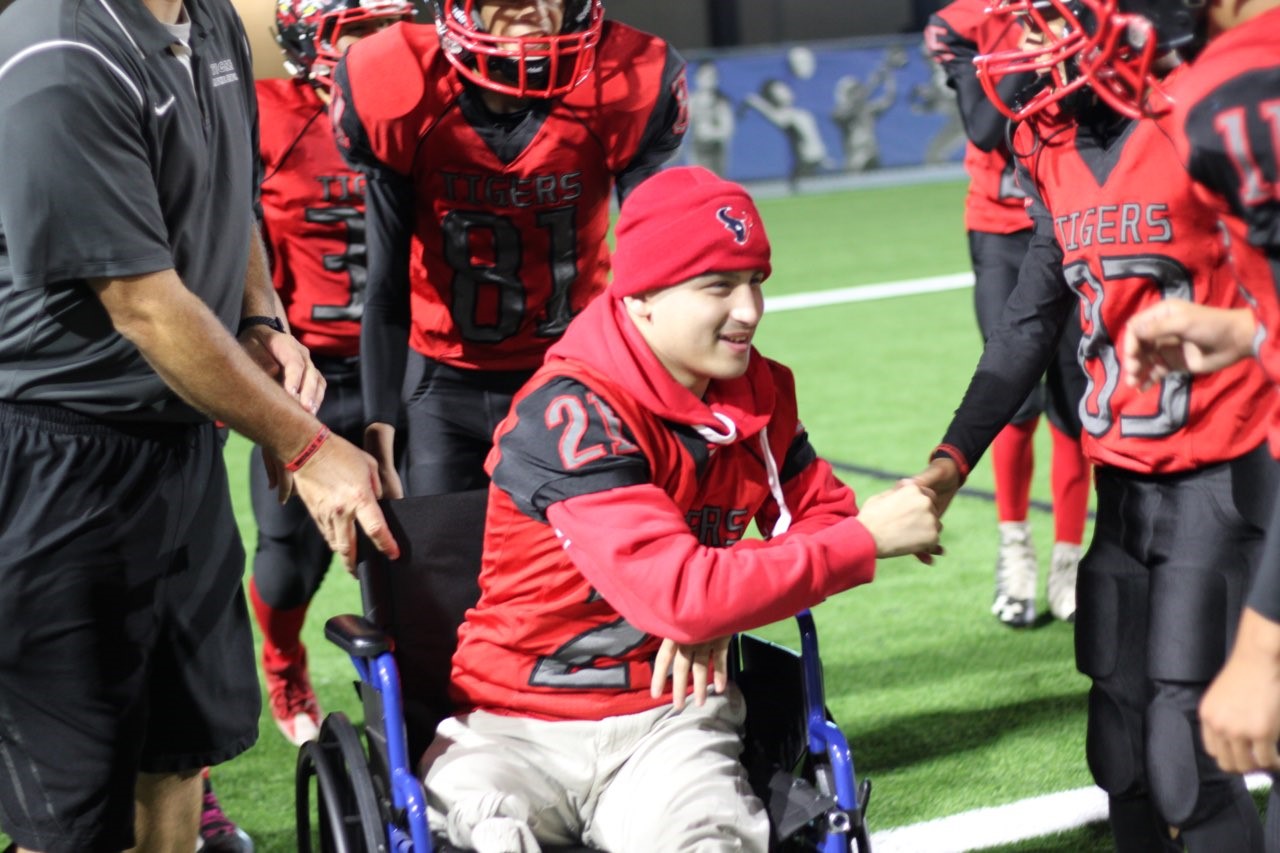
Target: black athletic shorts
x: 124, y: 636
x: 450, y: 419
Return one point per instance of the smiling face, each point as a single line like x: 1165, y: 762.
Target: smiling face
x: 701, y: 329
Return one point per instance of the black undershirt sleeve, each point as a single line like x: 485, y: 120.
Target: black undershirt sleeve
x: 1022, y: 345
x: 384, y: 330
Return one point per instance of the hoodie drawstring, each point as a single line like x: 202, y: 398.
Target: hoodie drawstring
x: 775, y: 486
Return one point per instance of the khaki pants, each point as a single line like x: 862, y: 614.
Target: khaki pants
x: 658, y: 780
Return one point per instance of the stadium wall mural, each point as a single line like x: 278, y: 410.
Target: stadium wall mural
x: 822, y: 109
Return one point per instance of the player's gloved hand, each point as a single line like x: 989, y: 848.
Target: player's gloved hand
x: 286, y: 360
x: 340, y: 487
x: 1240, y: 713
x: 902, y: 521
x: 380, y: 442
x: 1175, y: 335
x: 705, y: 660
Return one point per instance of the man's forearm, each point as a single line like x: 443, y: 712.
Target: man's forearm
x: 260, y: 297
x: 191, y: 351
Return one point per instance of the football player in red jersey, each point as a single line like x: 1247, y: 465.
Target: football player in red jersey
x: 1227, y: 117
x: 313, y: 221
x: 490, y: 164
x: 624, y: 478
x: 999, y: 231
x: 1181, y: 467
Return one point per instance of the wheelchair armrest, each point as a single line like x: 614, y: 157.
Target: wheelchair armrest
x: 357, y: 636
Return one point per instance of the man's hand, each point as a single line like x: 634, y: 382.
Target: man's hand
x: 287, y: 361
x: 1176, y: 336
x: 903, y: 520
x: 380, y: 442
x: 678, y: 660
x: 339, y: 485
x: 1240, y: 714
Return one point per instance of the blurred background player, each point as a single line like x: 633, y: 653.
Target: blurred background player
x: 999, y: 233
x: 490, y: 163
x: 1181, y: 466
x: 313, y: 222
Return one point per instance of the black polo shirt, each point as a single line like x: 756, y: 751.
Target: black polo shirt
x: 112, y: 163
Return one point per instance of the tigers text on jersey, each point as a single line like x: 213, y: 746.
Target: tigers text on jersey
x: 612, y: 525
x: 955, y: 35
x: 508, y: 233
x: 1229, y: 115
x: 313, y: 218
x: 1131, y: 231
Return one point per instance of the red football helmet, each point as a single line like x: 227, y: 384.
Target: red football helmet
x: 533, y: 66
x: 1110, y: 46
x: 308, y: 31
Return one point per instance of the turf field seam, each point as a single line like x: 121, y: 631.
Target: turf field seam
x: 996, y: 826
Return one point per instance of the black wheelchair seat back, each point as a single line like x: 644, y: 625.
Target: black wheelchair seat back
x: 420, y: 599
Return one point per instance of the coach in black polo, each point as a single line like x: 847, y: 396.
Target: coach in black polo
x: 128, y: 258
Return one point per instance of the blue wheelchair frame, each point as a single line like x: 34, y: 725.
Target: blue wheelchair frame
x: 373, y: 800
x: 844, y: 828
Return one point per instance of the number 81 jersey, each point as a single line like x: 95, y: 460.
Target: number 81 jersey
x: 510, y: 212
x: 1131, y: 232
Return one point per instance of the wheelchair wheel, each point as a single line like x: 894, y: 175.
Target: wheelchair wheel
x: 350, y: 819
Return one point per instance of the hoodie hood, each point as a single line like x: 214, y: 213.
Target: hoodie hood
x: 604, y: 339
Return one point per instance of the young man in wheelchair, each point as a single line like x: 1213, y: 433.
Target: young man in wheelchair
x: 624, y: 479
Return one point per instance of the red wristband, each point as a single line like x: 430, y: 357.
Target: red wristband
x: 308, y: 451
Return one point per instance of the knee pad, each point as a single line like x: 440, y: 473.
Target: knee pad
x: 1172, y: 765
x: 1187, y: 787
x: 1113, y: 745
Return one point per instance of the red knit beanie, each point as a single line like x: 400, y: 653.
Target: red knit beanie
x: 684, y: 222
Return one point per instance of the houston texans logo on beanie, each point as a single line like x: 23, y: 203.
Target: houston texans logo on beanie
x: 740, y: 225
x: 682, y: 223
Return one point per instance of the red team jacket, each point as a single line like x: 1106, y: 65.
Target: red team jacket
x: 1228, y: 112
x: 503, y: 253
x: 313, y: 218
x: 1131, y: 233
x: 955, y: 35
x: 616, y: 518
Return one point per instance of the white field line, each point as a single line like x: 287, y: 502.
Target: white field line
x: 1007, y: 824
x: 865, y: 292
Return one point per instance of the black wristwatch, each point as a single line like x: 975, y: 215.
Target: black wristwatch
x: 269, y: 322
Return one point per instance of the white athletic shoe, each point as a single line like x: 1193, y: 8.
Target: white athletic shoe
x: 1016, y: 571
x: 1062, y: 580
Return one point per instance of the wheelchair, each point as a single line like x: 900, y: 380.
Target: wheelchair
x: 368, y: 797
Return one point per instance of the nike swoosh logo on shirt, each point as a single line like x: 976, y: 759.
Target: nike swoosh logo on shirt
x: 164, y: 108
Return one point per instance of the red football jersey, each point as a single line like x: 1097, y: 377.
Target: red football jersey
x: 504, y: 252
x: 1132, y: 233
x: 1229, y: 113
x: 955, y: 35
x: 313, y: 218
x: 610, y: 527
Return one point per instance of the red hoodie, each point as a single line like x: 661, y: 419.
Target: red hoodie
x: 616, y: 516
